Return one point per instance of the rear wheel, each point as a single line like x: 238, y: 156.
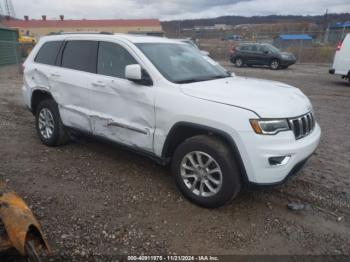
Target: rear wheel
x: 205, y: 171
x: 239, y: 62
x: 49, y: 125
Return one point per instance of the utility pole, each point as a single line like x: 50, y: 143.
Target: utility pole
x: 9, y: 9
x: 1, y: 10
x: 325, y: 27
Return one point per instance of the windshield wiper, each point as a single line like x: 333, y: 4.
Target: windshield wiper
x: 192, y: 80
x: 218, y: 77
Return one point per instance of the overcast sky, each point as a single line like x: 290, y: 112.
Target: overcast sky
x: 173, y: 9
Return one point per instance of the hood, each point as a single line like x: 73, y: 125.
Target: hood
x: 269, y: 99
x: 288, y: 54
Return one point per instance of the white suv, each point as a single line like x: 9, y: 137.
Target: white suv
x: 165, y: 99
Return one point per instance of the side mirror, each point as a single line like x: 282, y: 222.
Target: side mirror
x: 133, y: 72
x: 203, y: 52
x: 265, y: 52
x: 138, y: 75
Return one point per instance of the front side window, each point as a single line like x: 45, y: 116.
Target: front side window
x: 48, y: 53
x: 262, y: 49
x: 181, y: 63
x: 80, y: 55
x: 112, y: 60
x: 272, y: 48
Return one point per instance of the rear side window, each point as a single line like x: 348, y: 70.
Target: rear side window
x: 112, y: 60
x: 80, y: 55
x: 48, y: 53
x: 244, y: 48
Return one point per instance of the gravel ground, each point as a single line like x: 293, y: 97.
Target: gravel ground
x: 94, y: 198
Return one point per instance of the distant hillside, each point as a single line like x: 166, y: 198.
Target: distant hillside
x: 173, y: 26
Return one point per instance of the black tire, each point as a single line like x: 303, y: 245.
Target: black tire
x: 239, y: 62
x: 59, y: 135
x: 275, y: 64
x: 222, y: 154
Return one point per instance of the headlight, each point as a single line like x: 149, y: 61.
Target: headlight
x: 286, y: 56
x: 269, y: 126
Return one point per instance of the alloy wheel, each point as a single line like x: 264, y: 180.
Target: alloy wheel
x: 201, y: 174
x: 46, y: 123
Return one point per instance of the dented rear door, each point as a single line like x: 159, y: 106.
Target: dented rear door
x: 70, y: 85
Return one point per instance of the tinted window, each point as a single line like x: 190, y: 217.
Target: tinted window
x: 80, y: 55
x: 112, y: 60
x: 262, y: 49
x: 244, y: 48
x: 48, y: 53
x: 254, y: 48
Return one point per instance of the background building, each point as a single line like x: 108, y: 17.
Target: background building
x: 289, y: 40
x: 37, y: 28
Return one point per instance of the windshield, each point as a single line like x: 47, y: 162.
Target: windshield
x: 181, y: 63
x: 190, y: 42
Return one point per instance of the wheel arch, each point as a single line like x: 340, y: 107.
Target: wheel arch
x: 181, y: 131
x: 275, y: 58
x: 39, y: 95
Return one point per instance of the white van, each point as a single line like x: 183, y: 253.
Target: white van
x: 341, y: 64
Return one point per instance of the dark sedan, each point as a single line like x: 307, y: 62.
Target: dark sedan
x: 261, y: 54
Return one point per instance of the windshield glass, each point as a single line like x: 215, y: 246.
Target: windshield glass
x: 190, y: 42
x: 181, y: 63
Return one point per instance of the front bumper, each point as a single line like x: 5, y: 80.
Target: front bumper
x: 288, y: 62
x: 257, y: 149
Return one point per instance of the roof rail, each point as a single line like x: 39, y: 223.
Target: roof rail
x: 84, y: 33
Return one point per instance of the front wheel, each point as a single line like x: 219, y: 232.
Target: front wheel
x: 205, y: 171
x: 275, y: 64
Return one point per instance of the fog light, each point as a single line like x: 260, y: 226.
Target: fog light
x: 279, y: 160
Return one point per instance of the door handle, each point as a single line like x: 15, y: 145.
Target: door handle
x: 99, y: 84
x: 55, y: 75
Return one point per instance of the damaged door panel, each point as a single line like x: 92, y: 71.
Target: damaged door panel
x: 69, y: 85
x: 22, y: 230
x: 122, y: 110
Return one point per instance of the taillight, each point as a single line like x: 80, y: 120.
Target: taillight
x: 232, y: 50
x: 339, y: 46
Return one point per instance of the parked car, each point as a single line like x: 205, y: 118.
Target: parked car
x: 232, y: 38
x: 193, y: 44
x: 341, y: 63
x: 164, y: 99
x: 261, y: 54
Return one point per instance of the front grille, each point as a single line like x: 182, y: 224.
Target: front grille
x: 303, y: 125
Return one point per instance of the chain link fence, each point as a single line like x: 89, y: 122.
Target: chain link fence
x: 307, y: 46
